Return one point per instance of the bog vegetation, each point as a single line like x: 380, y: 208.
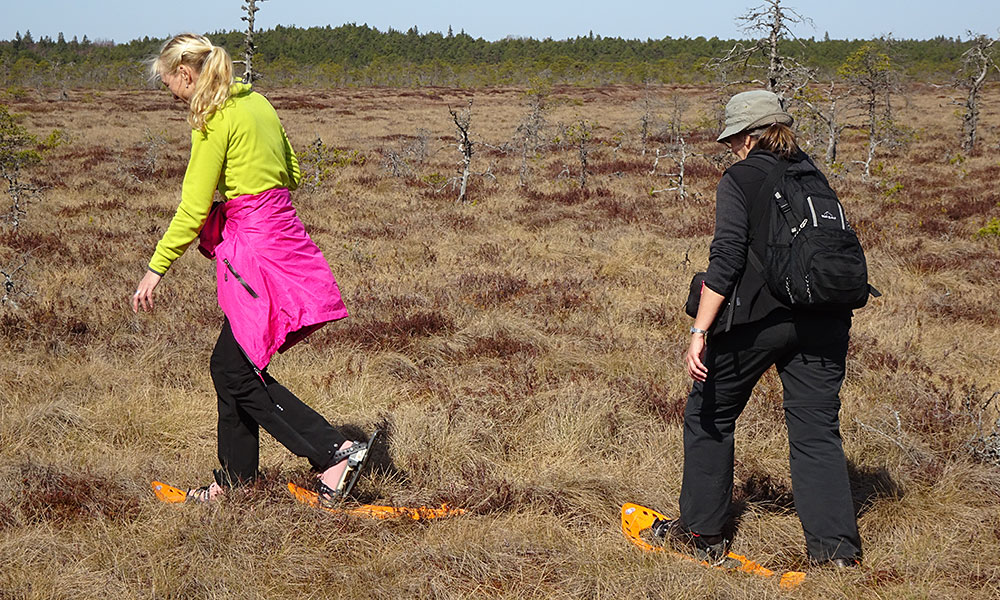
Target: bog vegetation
x: 522, y: 347
x: 515, y: 260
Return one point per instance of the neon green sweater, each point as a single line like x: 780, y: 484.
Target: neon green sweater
x: 243, y: 150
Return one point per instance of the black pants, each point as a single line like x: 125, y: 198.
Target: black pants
x: 809, y: 352
x: 248, y: 401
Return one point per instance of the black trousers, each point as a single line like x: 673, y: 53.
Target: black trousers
x: 809, y: 351
x: 248, y: 401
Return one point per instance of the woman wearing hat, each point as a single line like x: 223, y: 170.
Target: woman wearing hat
x: 808, y: 349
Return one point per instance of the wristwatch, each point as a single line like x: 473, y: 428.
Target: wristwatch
x: 701, y: 331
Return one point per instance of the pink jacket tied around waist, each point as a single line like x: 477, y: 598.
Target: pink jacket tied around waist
x: 274, y: 284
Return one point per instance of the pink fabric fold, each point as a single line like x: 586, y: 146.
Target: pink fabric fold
x: 273, y: 282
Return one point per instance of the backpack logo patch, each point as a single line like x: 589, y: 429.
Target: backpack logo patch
x: 828, y: 215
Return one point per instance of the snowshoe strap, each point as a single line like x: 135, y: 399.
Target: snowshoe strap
x: 340, y: 455
x: 199, y: 495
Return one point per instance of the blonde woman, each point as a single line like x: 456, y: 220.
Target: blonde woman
x: 274, y: 285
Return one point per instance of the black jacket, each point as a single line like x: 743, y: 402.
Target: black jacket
x: 728, y: 266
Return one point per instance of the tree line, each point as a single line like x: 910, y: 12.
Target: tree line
x: 360, y: 55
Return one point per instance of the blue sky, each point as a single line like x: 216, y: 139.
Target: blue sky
x: 123, y: 20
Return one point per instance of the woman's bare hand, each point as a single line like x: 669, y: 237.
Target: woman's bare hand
x: 694, y: 360
x: 143, y: 295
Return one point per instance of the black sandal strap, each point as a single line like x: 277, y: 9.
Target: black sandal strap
x: 324, y: 490
x: 199, y: 494
x: 326, y: 495
x: 340, y: 455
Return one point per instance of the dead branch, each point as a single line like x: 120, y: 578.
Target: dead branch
x: 680, y: 156
x: 13, y: 286
x: 781, y: 74
x: 464, y: 144
x: 897, y: 440
x: 249, y: 48
x: 977, y: 64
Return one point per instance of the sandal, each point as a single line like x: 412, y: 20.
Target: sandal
x: 357, y: 458
x: 206, y: 493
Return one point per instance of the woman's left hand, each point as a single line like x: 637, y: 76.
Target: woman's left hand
x: 143, y: 295
x: 708, y: 309
x: 695, y: 358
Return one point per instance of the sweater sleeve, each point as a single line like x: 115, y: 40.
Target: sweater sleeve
x: 208, y: 154
x: 292, y: 163
x: 727, y: 255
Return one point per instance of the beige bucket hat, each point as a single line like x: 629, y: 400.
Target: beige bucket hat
x: 753, y: 109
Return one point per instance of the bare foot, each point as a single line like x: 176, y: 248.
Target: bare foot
x: 332, y: 476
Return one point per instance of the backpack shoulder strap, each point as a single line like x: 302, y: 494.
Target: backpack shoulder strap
x: 760, y: 208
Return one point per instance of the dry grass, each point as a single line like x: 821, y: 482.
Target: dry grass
x: 523, y: 349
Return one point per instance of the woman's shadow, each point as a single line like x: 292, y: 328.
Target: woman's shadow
x: 763, y: 493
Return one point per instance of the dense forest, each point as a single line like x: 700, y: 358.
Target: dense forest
x: 359, y: 55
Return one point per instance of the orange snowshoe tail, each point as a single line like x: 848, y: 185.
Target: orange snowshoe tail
x: 636, y: 519
x: 374, y: 511
x: 168, y: 493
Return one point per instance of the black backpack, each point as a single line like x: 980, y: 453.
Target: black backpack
x: 802, y: 244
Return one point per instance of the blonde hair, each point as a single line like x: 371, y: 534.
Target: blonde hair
x: 777, y: 138
x: 213, y: 65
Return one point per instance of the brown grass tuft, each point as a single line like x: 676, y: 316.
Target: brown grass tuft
x: 59, y: 498
x: 492, y: 289
x: 397, y: 332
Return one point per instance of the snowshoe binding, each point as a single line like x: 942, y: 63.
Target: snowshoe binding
x: 357, y: 456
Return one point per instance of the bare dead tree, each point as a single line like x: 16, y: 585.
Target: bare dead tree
x: 780, y: 73
x: 19, y: 190
x: 645, y: 121
x: 528, y: 136
x: 400, y: 161
x: 678, y: 104
x: 649, y: 107
x: 977, y: 64
x: 827, y: 108
x: 680, y: 155
x: 141, y: 160
x: 872, y: 80
x: 395, y: 163
x: 584, y: 151
x: 464, y: 143
x: 249, y: 48
x: 579, y: 135
x: 13, y: 284
x: 20, y: 194
x: 16, y: 154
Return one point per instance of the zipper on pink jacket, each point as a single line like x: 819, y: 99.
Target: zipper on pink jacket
x: 240, y: 279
